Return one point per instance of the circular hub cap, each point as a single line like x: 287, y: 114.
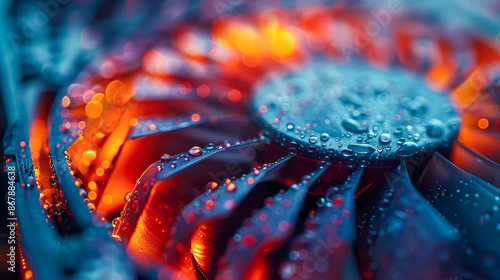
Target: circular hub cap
x: 354, y: 113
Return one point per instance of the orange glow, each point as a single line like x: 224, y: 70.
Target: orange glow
x: 89, y: 156
x: 117, y: 93
x: 283, y: 42
x: 212, y: 185
x: 66, y: 101
x: 92, y: 195
x: 28, y: 275
x: 251, y: 60
x: 483, y: 123
x: 443, y: 66
x: 107, y: 199
x: 195, y: 117
x: 133, y: 122
x: 105, y: 164
x: 269, y: 38
x: 230, y: 187
x: 260, y: 267
x: 461, y: 138
x: 97, y: 97
x: 93, y: 109
x: 209, y: 204
x: 99, y: 171
x: 248, y: 41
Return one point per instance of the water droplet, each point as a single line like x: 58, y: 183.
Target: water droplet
x: 209, y: 204
x: 407, y: 149
x: 398, y: 131
x: 288, y: 270
x: 324, y: 136
x: 354, y: 126
x: 211, y: 185
x: 401, y: 141
x: 115, y: 221
x: 321, y: 201
x: 195, y: 151
x: 361, y: 148
x: 435, y: 128
x: 290, y: 126
x: 82, y: 193
x: 165, y: 158
x: 347, y: 153
x: 313, y: 139
x: 134, y: 206
x: 293, y: 145
x: 230, y: 187
x: 210, y: 146
x: 385, y: 138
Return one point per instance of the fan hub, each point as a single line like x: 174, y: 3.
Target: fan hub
x: 354, y: 114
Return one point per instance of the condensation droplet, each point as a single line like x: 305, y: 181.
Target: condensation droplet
x: 324, y: 136
x: 165, y: 158
x: 195, y: 151
x: 407, y: 149
x: 385, y: 138
x: 354, y: 126
x: 210, y: 146
x: 361, y: 148
x: 435, y: 128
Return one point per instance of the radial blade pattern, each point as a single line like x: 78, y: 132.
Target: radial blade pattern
x: 159, y: 196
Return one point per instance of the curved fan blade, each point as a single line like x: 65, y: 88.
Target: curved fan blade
x: 159, y: 195
x: 269, y: 229
x: 401, y: 235
x: 144, y: 128
x: 472, y: 206
x: 328, y: 239
x: 210, y: 214
x: 476, y: 164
